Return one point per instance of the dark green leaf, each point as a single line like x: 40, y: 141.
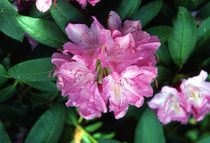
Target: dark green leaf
x: 7, y: 93
x: 203, y: 35
x: 43, y: 85
x: 8, y: 22
x: 204, y: 12
x: 164, y: 56
x: 163, y: 32
x: 182, y: 42
x: 149, y: 129
x: 4, y: 138
x: 3, y: 79
x: 204, y: 140
x: 71, y: 118
x: 44, y: 31
x: 146, y: 13
x: 127, y: 9
x: 32, y: 70
x: 49, y: 126
x: 93, y: 127
x: 34, y: 12
x: 189, y: 4
x: 65, y: 13
x: 108, y: 141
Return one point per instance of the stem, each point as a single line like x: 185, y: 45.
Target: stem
x: 80, y: 119
x: 86, y: 133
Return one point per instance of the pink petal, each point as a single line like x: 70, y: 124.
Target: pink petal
x: 83, y: 3
x: 114, y: 21
x: 43, y: 5
x: 93, y: 2
x: 131, y: 26
x: 58, y: 59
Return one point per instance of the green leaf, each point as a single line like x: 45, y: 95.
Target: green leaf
x: 147, y: 12
x: 203, y: 35
x: 164, y: 56
x: 44, y: 31
x: 182, y: 42
x: 65, y: 13
x: 32, y: 70
x: 108, y: 141
x: 189, y: 4
x: 4, y: 138
x: 3, y: 72
x: 7, y: 93
x: 71, y: 118
x: 149, y: 129
x: 204, y: 140
x: 93, y: 127
x: 43, y: 85
x: 103, y: 135
x: 8, y: 22
x: 204, y: 12
x: 163, y: 32
x: 127, y: 9
x: 49, y: 126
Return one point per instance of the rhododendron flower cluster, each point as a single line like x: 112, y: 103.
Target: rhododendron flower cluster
x: 44, y: 5
x: 112, y: 66
x: 192, y: 97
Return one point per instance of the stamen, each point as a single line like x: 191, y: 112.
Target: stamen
x: 53, y: 69
x: 158, y: 60
x: 55, y: 4
x: 156, y: 83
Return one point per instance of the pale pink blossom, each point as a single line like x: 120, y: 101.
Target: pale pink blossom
x: 129, y: 87
x: 43, y: 5
x: 169, y: 105
x: 78, y: 82
x: 197, y: 95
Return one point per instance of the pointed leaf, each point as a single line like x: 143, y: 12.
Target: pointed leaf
x: 147, y: 12
x: 182, y: 42
x: 204, y: 12
x: 64, y: 14
x: 71, y: 118
x: 93, y: 127
x: 44, y: 31
x: 32, y: 70
x: 8, y: 22
x: 127, y: 9
x: 189, y: 4
x: 203, y: 35
x: 49, y: 126
x: 149, y: 129
x: 163, y: 32
x: 43, y: 85
x: 3, y: 79
x: 7, y: 93
x: 4, y: 138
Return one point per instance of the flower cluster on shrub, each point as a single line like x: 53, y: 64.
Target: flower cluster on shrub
x: 114, y: 65
x: 191, y: 97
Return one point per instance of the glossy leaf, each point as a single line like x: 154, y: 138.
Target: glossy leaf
x: 4, y: 138
x: 164, y: 56
x: 127, y: 9
x: 44, y: 31
x: 64, y: 14
x: 32, y: 70
x: 8, y: 22
x: 93, y: 127
x: 204, y: 140
x: 3, y: 79
x: 203, y: 35
x: 7, y: 93
x: 182, y: 42
x: 71, y: 118
x: 108, y: 141
x: 204, y: 12
x: 189, y: 4
x: 163, y: 32
x: 147, y: 12
x: 43, y: 85
x: 49, y: 126
x: 149, y: 129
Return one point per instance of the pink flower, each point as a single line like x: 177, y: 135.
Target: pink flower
x: 43, y: 5
x: 169, y: 105
x: 88, y: 42
x: 129, y: 87
x: 83, y: 3
x: 77, y: 81
x: 197, y: 95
